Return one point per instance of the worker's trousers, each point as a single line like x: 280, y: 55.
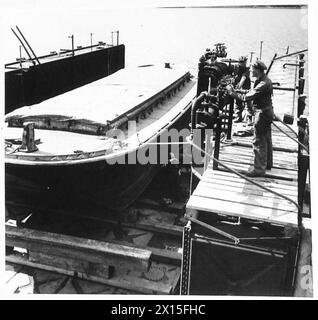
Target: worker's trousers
x: 262, y: 142
x: 239, y: 107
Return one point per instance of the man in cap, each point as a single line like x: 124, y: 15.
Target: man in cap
x: 261, y: 95
x: 242, y: 81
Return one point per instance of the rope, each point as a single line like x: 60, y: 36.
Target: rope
x: 286, y: 125
x: 281, y: 130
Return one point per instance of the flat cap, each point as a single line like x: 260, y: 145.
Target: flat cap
x: 260, y: 65
x: 242, y: 59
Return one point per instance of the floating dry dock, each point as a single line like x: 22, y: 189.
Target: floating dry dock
x: 236, y: 237
x: 246, y: 236
x: 254, y: 243
x: 32, y: 80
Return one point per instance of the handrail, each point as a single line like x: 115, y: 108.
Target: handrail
x: 290, y: 54
x: 270, y: 66
x: 285, y: 124
x: 56, y: 54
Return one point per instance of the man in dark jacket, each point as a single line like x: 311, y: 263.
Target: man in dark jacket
x: 242, y: 81
x: 261, y: 95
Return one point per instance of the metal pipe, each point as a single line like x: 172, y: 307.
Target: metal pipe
x: 290, y: 64
x: 195, y: 105
x: 230, y: 120
x: 91, y: 41
x: 270, y: 66
x: 283, y: 88
x: 20, y: 56
x: 261, y: 50
x: 291, y: 54
x: 251, y: 55
x: 216, y: 230
x: 36, y: 58
x: 72, y: 37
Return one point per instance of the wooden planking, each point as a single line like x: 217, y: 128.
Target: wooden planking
x: 242, y: 210
x: 134, y: 280
x: 223, y: 192
x: 244, y: 150
x: 78, y: 248
x: 279, y: 139
x: 245, y: 155
x: 230, y: 175
x: 248, y: 198
x: 67, y: 263
x: 248, y: 160
x: 238, y: 186
x: 241, y: 186
x: 277, y: 145
x: 273, y: 173
x: 282, y: 147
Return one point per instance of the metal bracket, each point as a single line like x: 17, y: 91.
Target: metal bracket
x: 290, y: 64
x: 216, y: 230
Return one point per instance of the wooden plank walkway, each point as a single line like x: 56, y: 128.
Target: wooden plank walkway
x: 223, y: 192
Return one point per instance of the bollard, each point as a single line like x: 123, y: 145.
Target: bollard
x: 28, y: 141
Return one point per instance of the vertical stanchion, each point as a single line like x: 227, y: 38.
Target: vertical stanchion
x: 271, y: 64
x: 303, y: 159
x: 20, y: 47
x: 301, y: 130
x: 186, y: 260
x: 261, y: 50
x: 217, y: 141
x: 208, y: 146
x: 303, y: 162
x: 301, y: 82
x: 72, y: 39
x: 230, y: 120
x: 91, y: 34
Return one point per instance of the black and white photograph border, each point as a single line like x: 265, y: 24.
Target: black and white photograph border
x: 158, y: 150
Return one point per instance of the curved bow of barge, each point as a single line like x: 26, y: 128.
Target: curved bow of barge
x: 83, y: 144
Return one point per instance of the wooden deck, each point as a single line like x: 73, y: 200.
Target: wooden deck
x: 223, y: 192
